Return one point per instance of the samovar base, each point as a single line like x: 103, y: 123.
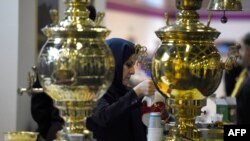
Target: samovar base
x: 193, y: 134
x: 185, y: 111
x: 202, y: 132
x: 86, y: 136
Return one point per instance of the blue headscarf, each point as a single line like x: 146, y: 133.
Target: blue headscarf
x: 122, y: 50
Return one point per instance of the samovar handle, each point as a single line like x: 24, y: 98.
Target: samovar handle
x: 209, y: 19
x: 99, y: 18
x: 32, y: 78
x: 167, y: 18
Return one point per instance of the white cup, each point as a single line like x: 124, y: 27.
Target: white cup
x: 154, y: 120
x: 155, y: 134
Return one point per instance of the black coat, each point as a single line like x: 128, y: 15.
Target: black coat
x: 231, y: 79
x: 118, y: 118
x: 243, y: 102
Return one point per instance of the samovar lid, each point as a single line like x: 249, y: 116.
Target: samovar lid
x: 187, y: 25
x: 178, y: 31
x: 76, y: 22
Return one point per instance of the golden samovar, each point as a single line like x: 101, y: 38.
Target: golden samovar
x: 187, y: 68
x: 75, y: 66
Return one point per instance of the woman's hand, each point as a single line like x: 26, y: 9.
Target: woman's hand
x: 146, y: 87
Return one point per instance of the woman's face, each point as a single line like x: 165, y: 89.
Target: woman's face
x: 128, y: 70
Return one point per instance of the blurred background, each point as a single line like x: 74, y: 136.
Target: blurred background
x: 135, y: 20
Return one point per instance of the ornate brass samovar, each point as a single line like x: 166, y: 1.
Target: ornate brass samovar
x: 187, y: 68
x: 75, y: 66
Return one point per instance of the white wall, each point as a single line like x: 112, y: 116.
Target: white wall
x: 8, y: 63
x: 16, y: 58
x: 139, y: 27
x: 100, y: 5
x: 232, y: 30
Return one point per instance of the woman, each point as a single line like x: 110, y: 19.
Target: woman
x: 117, y: 116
